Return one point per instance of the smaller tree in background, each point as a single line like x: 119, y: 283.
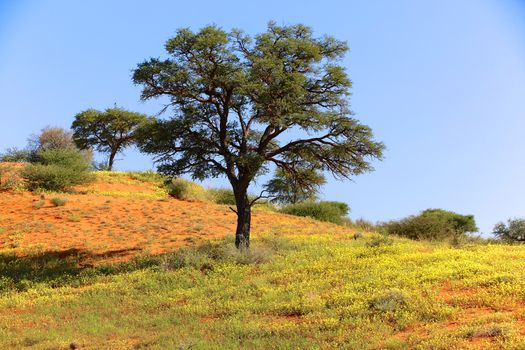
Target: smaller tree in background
x: 513, y: 231
x: 108, y: 132
x: 51, y: 138
x: 293, y: 187
x: 432, y: 224
x: 54, y: 138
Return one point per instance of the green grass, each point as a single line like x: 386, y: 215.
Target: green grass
x: 129, y: 177
x: 302, y: 292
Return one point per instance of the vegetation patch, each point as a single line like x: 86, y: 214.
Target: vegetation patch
x: 324, y: 211
x: 288, y: 291
x: 58, y: 170
x: 58, y: 202
x: 432, y: 224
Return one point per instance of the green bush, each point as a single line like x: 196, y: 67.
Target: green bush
x: 324, y: 211
x: 15, y: 155
x: 8, y: 179
x: 222, y: 196
x: 379, y: 241
x: 432, y: 224
x: 186, y: 190
x: 58, y: 202
x: 58, y: 170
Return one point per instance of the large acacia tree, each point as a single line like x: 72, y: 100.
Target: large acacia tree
x: 240, y: 104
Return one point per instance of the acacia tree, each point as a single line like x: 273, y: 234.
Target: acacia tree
x: 108, y: 132
x: 513, y: 231
x: 236, y: 98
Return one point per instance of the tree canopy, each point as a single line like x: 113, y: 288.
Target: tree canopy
x: 110, y: 131
x: 51, y: 138
x: 513, y: 231
x: 433, y: 224
x: 243, y: 104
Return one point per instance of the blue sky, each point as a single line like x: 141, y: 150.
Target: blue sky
x: 441, y: 82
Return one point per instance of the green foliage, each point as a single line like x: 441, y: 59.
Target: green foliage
x: 432, y: 224
x: 222, y: 196
x: 186, y: 190
x: 57, y: 170
x: 58, y: 202
x: 8, y: 178
x: 293, y: 187
x: 15, y: 155
x: 513, y: 231
x: 54, y: 138
x: 109, y: 132
x: 379, y: 241
x: 324, y: 211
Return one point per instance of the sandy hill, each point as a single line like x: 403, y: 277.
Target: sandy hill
x: 121, y: 216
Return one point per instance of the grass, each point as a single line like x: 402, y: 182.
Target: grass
x: 66, y: 276
x: 39, y: 204
x: 297, y: 292
x: 130, y: 177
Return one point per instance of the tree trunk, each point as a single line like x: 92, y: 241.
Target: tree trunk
x: 244, y: 218
x: 111, y: 159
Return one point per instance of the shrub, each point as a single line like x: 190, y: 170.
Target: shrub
x: 361, y: 224
x: 8, y: 179
x: 324, y: 211
x: 39, y: 204
x: 58, y: 170
x: 205, y: 256
x: 15, y: 155
x: 58, y: 202
x: 379, y: 241
x: 186, y: 190
x: 390, y: 301
x: 222, y: 196
x: 432, y: 224
x: 513, y: 231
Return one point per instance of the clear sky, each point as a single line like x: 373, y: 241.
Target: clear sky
x: 441, y: 82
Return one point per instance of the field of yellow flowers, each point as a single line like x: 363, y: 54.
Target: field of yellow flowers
x: 290, y: 292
